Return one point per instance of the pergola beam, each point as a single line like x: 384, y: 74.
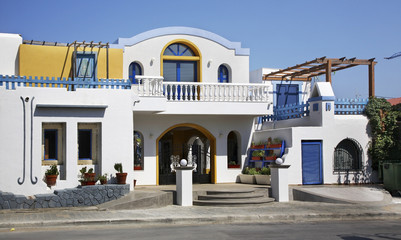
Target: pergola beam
x: 319, y: 66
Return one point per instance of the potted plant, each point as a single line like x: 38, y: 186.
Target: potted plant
x: 258, y: 154
x: 233, y: 164
x: 259, y: 145
x: 102, y: 178
x: 87, y: 178
x: 121, y: 176
x: 137, y: 167
x: 263, y: 177
x: 248, y: 175
x: 51, y: 175
x: 276, y: 143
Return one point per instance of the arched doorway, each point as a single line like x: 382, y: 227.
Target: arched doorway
x: 181, y: 140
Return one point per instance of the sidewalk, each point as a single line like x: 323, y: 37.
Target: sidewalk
x: 270, y: 213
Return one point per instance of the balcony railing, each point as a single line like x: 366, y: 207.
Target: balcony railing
x: 350, y: 106
x: 205, y: 92
x: 11, y: 82
x: 341, y: 107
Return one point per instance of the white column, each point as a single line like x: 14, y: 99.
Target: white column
x: 279, y: 182
x: 184, y: 186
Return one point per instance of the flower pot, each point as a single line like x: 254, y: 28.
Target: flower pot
x: 248, y: 179
x: 88, y: 183
x: 275, y: 145
x: 137, y: 168
x: 258, y: 146
x: 51, y: 180
x: 89, y: 177
x: 234, y: 166
x: 256, y: 158
x: 103, y: 182
x: 262, y: 179
x: 121, y: 178
x: 271, y: 158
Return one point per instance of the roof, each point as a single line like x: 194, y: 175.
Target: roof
x: 394, y: 101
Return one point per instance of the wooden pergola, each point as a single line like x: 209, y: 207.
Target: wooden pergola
x: 306, y: 71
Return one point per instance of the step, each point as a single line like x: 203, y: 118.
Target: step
x: 226, y: 192
x: 233, y: 202
x: 231, y: 196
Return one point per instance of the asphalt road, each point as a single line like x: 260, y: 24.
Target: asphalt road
x: 347, y: 230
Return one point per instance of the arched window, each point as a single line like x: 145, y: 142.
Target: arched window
x: 138, y: 151
x: 233, y: 150
x: 348, y: 156
x: 134, y: 69
x: 181, y: 62
x: 223, y: 74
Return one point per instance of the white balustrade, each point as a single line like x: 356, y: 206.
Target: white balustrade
x: 204, y: 92
x: 149, y: 85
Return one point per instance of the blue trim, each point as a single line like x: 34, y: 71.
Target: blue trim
x: 221, y: 77
x: 305, y: 181
x: 315, y: 107
x: 321, y: 98
x: 132, y: 71
x: 123, y: 42
x: 275, y: 83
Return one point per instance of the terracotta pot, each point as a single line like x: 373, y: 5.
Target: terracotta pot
x: 51, y: 180
x: 256, y: 158
x: 121, y: 178
x: 137, y: 168
x: 258, y: 146
x: 234, y: 166
x: 103, y: 182
x: 275, y: 146
x: 271, y: 158
x: 134, y: 182
x: 90, y: 177
x: 90, y: 183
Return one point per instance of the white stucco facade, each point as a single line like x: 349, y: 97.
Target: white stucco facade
x: 168, y: 118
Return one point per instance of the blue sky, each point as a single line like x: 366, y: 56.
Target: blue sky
x: 280, y: 34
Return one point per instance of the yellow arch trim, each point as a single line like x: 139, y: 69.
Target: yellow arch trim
x: 193, y: 47
x: 205, y: 132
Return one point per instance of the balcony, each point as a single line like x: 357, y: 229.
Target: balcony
x: 200, y: 98
x: 153, y: 95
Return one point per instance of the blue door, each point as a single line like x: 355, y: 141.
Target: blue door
x: 287, y: 94
x: 312, y: 162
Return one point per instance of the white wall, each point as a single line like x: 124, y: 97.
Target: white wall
x: 143, y: 52
x: 152, y: 126
x: 9, y: 46
x: 116, y: 133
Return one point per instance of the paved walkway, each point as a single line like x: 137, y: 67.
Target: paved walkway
x: 273, y: 212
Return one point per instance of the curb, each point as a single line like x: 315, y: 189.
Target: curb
x: 232, y: 219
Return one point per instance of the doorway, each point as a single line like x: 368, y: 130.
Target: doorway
x: 184, y: 142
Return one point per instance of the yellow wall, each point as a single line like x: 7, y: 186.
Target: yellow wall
x: 55, y: 61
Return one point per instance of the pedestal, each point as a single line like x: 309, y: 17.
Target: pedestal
x: 279, y: 182
x: 184, y: 186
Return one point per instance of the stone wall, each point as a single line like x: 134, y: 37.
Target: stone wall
x: 71, y: 197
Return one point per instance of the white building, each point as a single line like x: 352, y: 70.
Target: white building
x: 187, y: 91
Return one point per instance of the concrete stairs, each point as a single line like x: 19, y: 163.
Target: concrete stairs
x: 244, y: 197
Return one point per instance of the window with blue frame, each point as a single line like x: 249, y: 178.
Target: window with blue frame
x: 88, y: 143
x: 86, y: 66
x: 180, y: 63
x: 138, y: 151
x: 134, y: 69
x: 287, y: 94
x: 223, y: 74
x: 53, y: 143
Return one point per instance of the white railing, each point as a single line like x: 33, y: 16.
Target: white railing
x: 205, y: 92
x: 149, y: 85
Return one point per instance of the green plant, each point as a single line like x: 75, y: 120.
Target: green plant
x: 82, y: 171
x: 277, y: 141
x: 52, y: 170
x: 385, y: 142
x: 102, y: 177
x: 118, y: 167
x: 265, y: 171
x: 258, y: 153
x: 90, y: 170
x: 253, y: 171
x: 232, y: 163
